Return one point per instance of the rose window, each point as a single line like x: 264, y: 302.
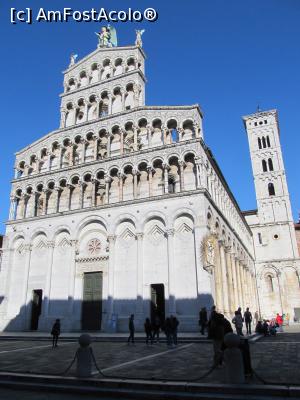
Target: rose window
x: 94, y: 246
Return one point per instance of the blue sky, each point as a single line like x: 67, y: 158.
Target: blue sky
x: 228, y: 56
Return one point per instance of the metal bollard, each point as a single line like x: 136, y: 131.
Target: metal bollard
x: 234, y: 366
x: 84, y: 357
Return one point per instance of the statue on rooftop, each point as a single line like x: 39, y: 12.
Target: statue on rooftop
x: 138, y: 40
x: 107, y: 37
x: 73, y: 59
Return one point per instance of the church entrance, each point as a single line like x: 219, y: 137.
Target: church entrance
x: 92, y: 301
x: 36, y: 308
x: 158, y: 302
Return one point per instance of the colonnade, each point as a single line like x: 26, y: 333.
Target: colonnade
x: 103, y: 145
x: 107, y: 187
x: 235, y: 284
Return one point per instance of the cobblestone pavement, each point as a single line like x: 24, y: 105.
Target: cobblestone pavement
x: 276, y: 359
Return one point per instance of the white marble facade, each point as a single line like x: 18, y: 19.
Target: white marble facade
x: 128, y: 191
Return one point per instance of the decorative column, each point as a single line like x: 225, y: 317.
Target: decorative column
x: 181, y: 166
x: 83, y: 143
x: 109, y: 135
x: 229, y: 279
x: 235, y: 283
x: 94, y: 191
x: 171, y: 272
x: 122, y: 141
x: 149, y: 135
x: 121, y: 182
x: 82, y: 185
x: 85, y: 112
x: 59, y: 163
x: 70, y: 187
x: 71, y: 152
x: 166, y: 177
x: 12, y: 208
x: 28, y: 250
x: 150, y: 169
x: 135, y: 173
x: 224, y: 277
x: 197, y: 130
x: 44, y: 204
x: 239, y: 282
x: 111, y: 270
x: 218, y: 282
x: 45, y: 308
x: 62, y: 118
x: 280, y: 287
x: 180, y: 134
x: 123, y: 99
x: 109, y: 104
x: 135, y: 138
x: 95, y: 147
x: 198, y: 165
x: 107, y: 184
x: 140, y: 274
x: 57, y: 191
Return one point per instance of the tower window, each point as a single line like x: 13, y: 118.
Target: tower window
x: 264, y: 142
x: 270, y: 163
x: 264, y: 166
x: 259, y: 238
x: 271, y: 189
x: 268, y: 141
x: 265, y: 121
x: 259, y: 143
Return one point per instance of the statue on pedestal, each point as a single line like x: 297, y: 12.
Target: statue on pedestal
x: 73, y: 59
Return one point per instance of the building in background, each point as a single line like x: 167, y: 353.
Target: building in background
x: 124, y: 209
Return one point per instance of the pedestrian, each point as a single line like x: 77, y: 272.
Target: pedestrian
x: 156, y: 328
x: 55, y: 332
x: 131, y: 329
x: 238, y: 322
x: 174, y: 328
x: 248, y: 320
x: 266, y: 328
x: 168, y: 331
x: 212, y: 314
x: 203, y: 320
x: 216, y: 332
x: 279, y: 321
x: 148, y: 331
x: 259, y: 327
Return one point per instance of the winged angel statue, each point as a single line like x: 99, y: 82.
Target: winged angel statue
x: 107, y: 37
x: 138, y: 40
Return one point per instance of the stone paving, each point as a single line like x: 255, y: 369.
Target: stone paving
x: 276, y: 360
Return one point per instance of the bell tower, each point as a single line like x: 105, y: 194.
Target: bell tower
x: 273, y: 227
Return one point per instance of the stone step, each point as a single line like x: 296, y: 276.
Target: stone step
x: 143, y: 389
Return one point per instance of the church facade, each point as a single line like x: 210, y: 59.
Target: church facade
x: 124, y: 210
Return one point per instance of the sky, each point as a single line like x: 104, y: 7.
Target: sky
x: 228, y: 56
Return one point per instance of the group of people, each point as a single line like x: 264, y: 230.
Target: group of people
x: 152, y: 330
x: 238, y: 320
x: 269, y: 327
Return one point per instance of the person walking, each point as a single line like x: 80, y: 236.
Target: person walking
x: 131, y: 329
x: 55, y: 332
x: 203, y: 320
x: 248, y: 320
x: 238, y: 322
x: 168, y: 331
x: 156, y: 328
x: 174, y: 328
x: 148, y: 331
